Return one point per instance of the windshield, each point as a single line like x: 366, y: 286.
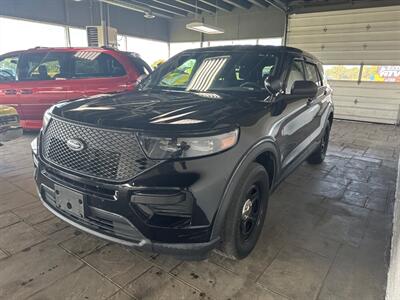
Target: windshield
x: 214, y: 71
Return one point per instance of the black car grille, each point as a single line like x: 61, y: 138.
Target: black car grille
x: 107, y: 154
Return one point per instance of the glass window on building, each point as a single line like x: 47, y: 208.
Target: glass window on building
x: 26, y: 34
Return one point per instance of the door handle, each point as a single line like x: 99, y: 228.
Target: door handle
x: 26, y: 92
x: 10, y: 92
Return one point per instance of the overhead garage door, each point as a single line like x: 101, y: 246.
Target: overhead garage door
x: 360, y: 49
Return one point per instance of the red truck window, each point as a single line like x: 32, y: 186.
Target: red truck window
x: 96, y: 64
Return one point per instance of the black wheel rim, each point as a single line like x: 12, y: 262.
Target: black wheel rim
x: 250, y: 212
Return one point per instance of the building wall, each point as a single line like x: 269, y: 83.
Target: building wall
x: 239, y: 24
x: 83, y: 13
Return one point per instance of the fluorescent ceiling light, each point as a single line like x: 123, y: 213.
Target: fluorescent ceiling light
x: 204, y: 28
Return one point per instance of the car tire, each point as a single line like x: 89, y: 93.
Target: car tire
x: 319, y: 154
x: 245, y: 217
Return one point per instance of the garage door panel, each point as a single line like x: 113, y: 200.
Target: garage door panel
x: 344, y: 28
x: 385, y: 117
x: 359, y: 56
x: 373, y: 119
x: 351, y: 17
x: 343, y: 37
x: 386, y: 114
x: 365, y: 94
x: 386, y: 94
x: 366, y: 103
x: 352, y: 46
x: 344, y: 61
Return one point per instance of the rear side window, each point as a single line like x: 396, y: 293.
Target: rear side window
x: 42, y: 66
x: 295, y: 74
x: 312, y: 73
x: 8, y: 68
x: 87, y: 64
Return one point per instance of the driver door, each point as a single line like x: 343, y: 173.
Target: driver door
x: 297, y: 118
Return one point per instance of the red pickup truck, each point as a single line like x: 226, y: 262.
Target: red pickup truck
x: 35, y: 79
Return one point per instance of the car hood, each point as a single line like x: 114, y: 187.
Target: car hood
x: 7, y: 110
x: 161, y: 110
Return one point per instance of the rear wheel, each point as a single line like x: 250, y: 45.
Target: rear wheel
x: 319, y: 154
x: 246, y: 214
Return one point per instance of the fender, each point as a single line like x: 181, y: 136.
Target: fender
x: 262, y: 146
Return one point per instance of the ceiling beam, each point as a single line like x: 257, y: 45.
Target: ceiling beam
x: 219, y: 4
x: 260, y: 3
x: 239, y: 3
x: 138, y: 8
x: 160, y: 6
x: 178, y: 5
x: 198, y: 4
x: 279, y: 4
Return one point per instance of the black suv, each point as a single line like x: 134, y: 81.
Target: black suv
x: 187, y: 162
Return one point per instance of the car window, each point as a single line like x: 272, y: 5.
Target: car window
x: 216, y: 70
x: 43, y: 66
x: 312, y: 73
x: 295, y: 74
x: 180, y: 75
x: 8, y: 68
x: 87, y: 64
x: 248, y: 71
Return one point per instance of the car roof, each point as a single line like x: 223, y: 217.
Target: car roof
x: 233, y: 48
x: 62, y: 49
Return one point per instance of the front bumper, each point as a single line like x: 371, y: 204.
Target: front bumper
x: 111, y: 217
x: 190, y: 251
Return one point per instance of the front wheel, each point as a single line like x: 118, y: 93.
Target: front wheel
x: 319, y: 154
x: 245, y: 217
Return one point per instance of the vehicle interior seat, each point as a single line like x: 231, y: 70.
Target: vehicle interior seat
x: 43, y: 74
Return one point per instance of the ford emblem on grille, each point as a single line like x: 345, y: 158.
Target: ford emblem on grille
x: 75, y: 145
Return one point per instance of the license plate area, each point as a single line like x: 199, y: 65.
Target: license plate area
x: 69, y: 201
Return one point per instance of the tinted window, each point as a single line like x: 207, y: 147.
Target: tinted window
x: 295, y: 74
x: 312, y: 73
x: 96, y: 64
x: 214, y: 71
x: 8, y: 68
x: 42, y: 66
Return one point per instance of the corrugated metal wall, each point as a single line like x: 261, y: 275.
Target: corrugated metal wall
x: 354, y: 37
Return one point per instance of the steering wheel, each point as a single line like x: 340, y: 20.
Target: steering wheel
x: 250, y: 85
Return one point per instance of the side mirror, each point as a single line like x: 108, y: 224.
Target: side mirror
x: 304, y: 88
x: 272, y: 85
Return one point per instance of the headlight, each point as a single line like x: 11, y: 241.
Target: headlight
x: 46, y: 118
x: 187, y: 147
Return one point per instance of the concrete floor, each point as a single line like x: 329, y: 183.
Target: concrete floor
x: 326, y: 236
